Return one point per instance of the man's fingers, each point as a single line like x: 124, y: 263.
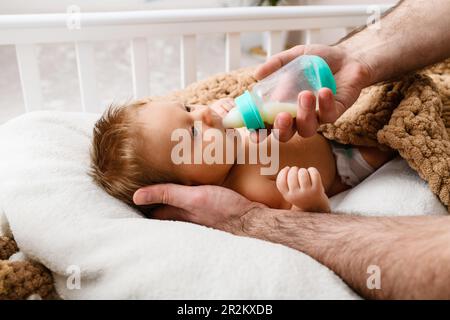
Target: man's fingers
x: 277, y: 61
x: 170, y: 194
x: 166, y: 212
x: 284, y: 125
x: 306, y: 120
x: 180, y: 202
x: 340, y: 108
x: 328, y: 112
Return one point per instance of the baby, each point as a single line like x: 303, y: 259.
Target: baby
x: 132, y: 148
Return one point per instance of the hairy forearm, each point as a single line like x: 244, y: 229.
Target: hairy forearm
x: 411, y: 36
x: 412, y: 253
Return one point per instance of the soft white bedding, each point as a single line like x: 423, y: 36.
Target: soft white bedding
x: 60, y: 218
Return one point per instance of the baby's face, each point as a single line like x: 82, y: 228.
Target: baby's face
x: 161, y: 119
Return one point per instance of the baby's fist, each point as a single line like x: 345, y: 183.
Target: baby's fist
x: 303, y: 188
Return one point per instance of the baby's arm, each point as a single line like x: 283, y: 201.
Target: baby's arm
x: 303, y: 188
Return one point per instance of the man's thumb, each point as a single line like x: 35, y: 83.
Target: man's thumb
x: 184, y: 197
x: 159, y: 193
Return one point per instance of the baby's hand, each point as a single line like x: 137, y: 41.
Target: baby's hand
x: 303, y: 188
x: 222, y: 106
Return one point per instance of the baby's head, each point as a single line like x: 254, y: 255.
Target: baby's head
x: 132, y: 147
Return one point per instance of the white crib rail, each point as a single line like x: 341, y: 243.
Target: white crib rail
x: 86, y: 75
x: 139, y: 67
x: 24, y: 31
x: 29, y: 76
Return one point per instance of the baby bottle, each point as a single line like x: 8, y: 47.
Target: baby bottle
x: 278, y: 92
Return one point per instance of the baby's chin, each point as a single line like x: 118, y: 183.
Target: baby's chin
x: 213, y: 174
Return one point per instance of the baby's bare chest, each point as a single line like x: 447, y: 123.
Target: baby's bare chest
x: 312, y: 152
x: 250, y: 180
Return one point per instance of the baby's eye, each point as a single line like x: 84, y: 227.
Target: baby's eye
x: 188, y: 108
x: 194, y: 131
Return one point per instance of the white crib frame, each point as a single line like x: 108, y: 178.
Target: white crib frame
x: 25, y: 31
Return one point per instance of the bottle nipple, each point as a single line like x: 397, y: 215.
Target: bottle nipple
x: 233, y: 119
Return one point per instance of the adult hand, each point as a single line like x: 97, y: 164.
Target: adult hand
x: 351, y: 73
x: 208, y: 205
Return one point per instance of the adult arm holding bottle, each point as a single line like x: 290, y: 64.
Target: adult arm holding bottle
x: 413, y: 253
x: 412, y: 35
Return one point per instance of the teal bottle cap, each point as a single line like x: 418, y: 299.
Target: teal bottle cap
x: 319, y: 74
x: 249, y: 111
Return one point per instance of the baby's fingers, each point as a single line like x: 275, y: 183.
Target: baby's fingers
x: 292, y: 179
x: 316, y: 179
x: 303, y: 178
x: 282, y: 180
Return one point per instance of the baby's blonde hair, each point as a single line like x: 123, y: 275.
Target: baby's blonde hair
x: 118, y: 163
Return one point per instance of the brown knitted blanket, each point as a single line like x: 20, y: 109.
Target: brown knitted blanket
x: 22, y: 279
x: 411, y: 115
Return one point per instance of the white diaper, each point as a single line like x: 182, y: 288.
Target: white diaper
x: 351, y: 166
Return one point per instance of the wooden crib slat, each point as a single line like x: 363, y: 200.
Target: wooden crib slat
x: 233, y: 51
x: 313, y: 36
x: 87, y: 76
x: 29, y: 76
x: 188, y: 59
x: 274, y: 45
x: 139, y: 67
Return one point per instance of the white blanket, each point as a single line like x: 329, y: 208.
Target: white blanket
x: 61, y: 218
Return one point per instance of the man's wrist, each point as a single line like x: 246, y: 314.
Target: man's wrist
x: 252, y: 221
x: 364, y: 60
x: 243, y: 224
